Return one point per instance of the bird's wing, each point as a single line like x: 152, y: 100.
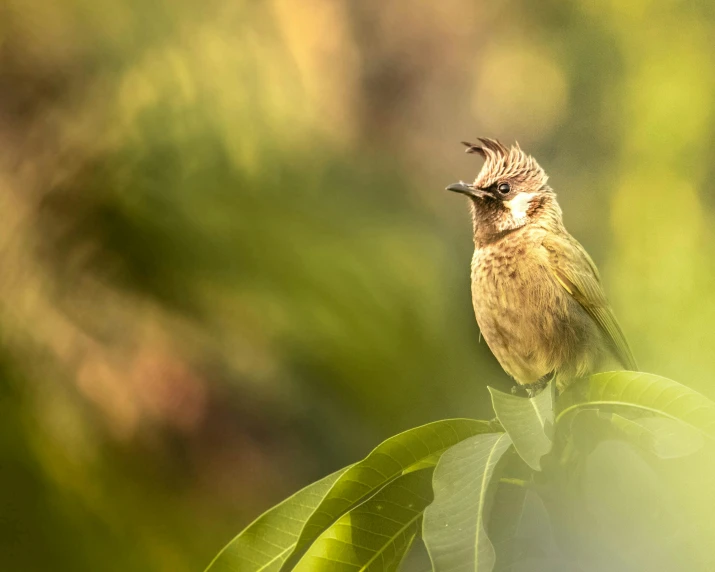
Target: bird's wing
x: 576, y: 272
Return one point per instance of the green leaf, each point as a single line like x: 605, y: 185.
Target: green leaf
x: 528, y: 421
x: 399, y: 454
x: 534, y: 527
x: 666, y: 438
x: 454, y: 524
x: 510, y: 497
x: 266, y: 543
x: 374, y: 536
x: 640, y: 392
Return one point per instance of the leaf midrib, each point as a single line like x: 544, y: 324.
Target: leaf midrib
x: 542, y: 421
x: 635, y: 406
x: 376, y: 489
x: 392, y: 539
x: 482, y: 495
x: 267, y: 564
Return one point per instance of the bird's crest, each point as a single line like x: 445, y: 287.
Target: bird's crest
x: 502, y: 163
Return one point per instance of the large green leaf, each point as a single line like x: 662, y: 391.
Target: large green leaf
x: 642, y: 392
x: 529, y: 422
x: 399, y: 454
x: 265, y: 544
x: 454, y: 529
x: 374, y: 536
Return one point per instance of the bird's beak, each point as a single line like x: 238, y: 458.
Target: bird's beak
x: 466, y: 189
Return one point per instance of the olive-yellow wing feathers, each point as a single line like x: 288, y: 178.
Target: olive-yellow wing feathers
x: 574, y: 270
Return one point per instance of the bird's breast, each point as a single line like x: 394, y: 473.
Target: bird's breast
x: 520, y: 310
x: 508, y: 279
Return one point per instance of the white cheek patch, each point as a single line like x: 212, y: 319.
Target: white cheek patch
x: 519, y: 206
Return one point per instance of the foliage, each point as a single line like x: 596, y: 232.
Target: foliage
x: 575, y: 483
x: 229, y: 266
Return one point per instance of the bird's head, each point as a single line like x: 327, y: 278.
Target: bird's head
x: 509, y: 192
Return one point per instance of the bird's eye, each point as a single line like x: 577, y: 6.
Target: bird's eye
x: 504, y: 188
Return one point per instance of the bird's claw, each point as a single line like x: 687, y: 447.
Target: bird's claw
x: 533, y: 389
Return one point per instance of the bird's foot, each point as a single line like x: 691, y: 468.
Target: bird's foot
x: 533, y: 389
x: 521, y: 390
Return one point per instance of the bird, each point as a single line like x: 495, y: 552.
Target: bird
x: 537, y: 294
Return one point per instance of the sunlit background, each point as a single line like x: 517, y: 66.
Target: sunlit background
x: 228, y: 265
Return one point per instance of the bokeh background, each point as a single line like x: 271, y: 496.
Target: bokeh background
x: 227, y: 263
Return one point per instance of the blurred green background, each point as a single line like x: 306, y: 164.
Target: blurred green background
x: 227, y: 263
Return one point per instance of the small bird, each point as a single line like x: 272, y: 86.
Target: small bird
x: 537, y: 294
